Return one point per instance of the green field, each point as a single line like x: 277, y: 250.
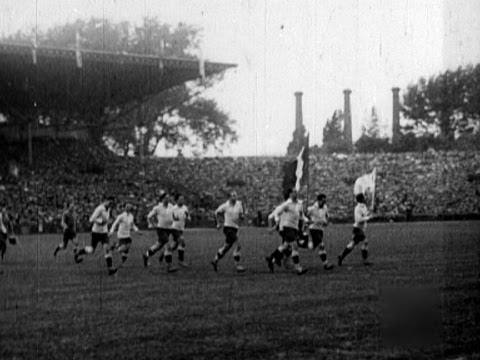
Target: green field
x: 421, y: 299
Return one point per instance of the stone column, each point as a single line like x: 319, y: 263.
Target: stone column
x: 347, y: 117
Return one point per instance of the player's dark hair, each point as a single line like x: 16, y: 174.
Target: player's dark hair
x: 321, y: 197
x: 360, y: 198
x: 109, y: 198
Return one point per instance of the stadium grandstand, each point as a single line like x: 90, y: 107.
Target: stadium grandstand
x: 87, y: 170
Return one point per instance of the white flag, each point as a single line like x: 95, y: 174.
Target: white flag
x: 299, y: 170
x: 365, y: 183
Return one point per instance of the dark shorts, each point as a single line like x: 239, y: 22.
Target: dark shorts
x: 230, y: 234
x: 162, y: 235
x: 358, y: 235
x: 176, y: 234
x: 125, y: 241
x: 68, y: 235
x: 3, y: 243
x: 99, y: 238
x: 317, y: 237
x: 290, y: 234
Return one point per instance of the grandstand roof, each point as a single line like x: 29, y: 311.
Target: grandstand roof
x: 87, y: 81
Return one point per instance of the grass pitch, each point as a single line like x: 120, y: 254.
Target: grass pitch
x: 420, y: 299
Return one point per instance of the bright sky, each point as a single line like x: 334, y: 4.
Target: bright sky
x: 318, y: 47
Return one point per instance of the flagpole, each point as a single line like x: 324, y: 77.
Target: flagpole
x: 374, y: 187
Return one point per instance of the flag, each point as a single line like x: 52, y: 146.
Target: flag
x: 295, y: 173
x: 365, y: 183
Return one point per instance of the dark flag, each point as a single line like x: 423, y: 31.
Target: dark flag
x: 295, y: 172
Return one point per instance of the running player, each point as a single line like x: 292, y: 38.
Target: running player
x: 180, y: 216
x: 275, y: 223
x: 125, y: 222
x: 100, y: 218
x: 233, y: 215
x: 69, y: 226
x: 362, y: 215
x: 318, y: 214
x: 292, y: 211
x: 160, y: 217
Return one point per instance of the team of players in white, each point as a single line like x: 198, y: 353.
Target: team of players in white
x: 170, y: 219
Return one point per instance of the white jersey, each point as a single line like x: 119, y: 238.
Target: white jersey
x: 290, y: 214
x: 100, y: 219
x: 232, y: 213
x: 318, y: 216
x: 361, y: 216
x: 125, y: 223
x: 180, y: 216
x: 164, y: 215
x: 276, y: 217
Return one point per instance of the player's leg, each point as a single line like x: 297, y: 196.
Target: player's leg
x: 181, y: 249
x: 107, y: 253
x: 162, y: 239
x: 124, y: 248
x: 89, y: 249
x: 317, y: 241
x: 357, y: 237
x: 288, y: 236
x: 155, y: 247
x: 296, y: 259
x: 230, y: 239
x: 237, y: 257
x: 63, y: 244
x: 169, y: 249
x: 365, y: 253
x: 75, y: 243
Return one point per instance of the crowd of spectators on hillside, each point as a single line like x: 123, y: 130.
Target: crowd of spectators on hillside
x: 430, y: 183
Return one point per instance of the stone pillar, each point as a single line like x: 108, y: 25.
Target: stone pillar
x: 298, y: 110
x: 396, y: 115
x: 347, y: 117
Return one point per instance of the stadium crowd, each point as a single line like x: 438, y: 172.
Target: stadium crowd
x: 430, y: 183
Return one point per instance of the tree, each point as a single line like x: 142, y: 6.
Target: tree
x: 370, y: 140
x: 443, y: 103
x: 333, y: 135
x: 179, y: 116
x: 151, y: 37
x: 299, y: 138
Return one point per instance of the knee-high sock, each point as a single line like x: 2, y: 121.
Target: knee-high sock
x: 348, y: 249
x: 322, y: 253
x: 222, y: 251
x: 108, y: 259
x: 296, y: 260
x: 236, y: 255
x: 365, y: 250
x: 168, y: 256
x: 153, y: 249
x: 124, y: 255
x: 181, y: 252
